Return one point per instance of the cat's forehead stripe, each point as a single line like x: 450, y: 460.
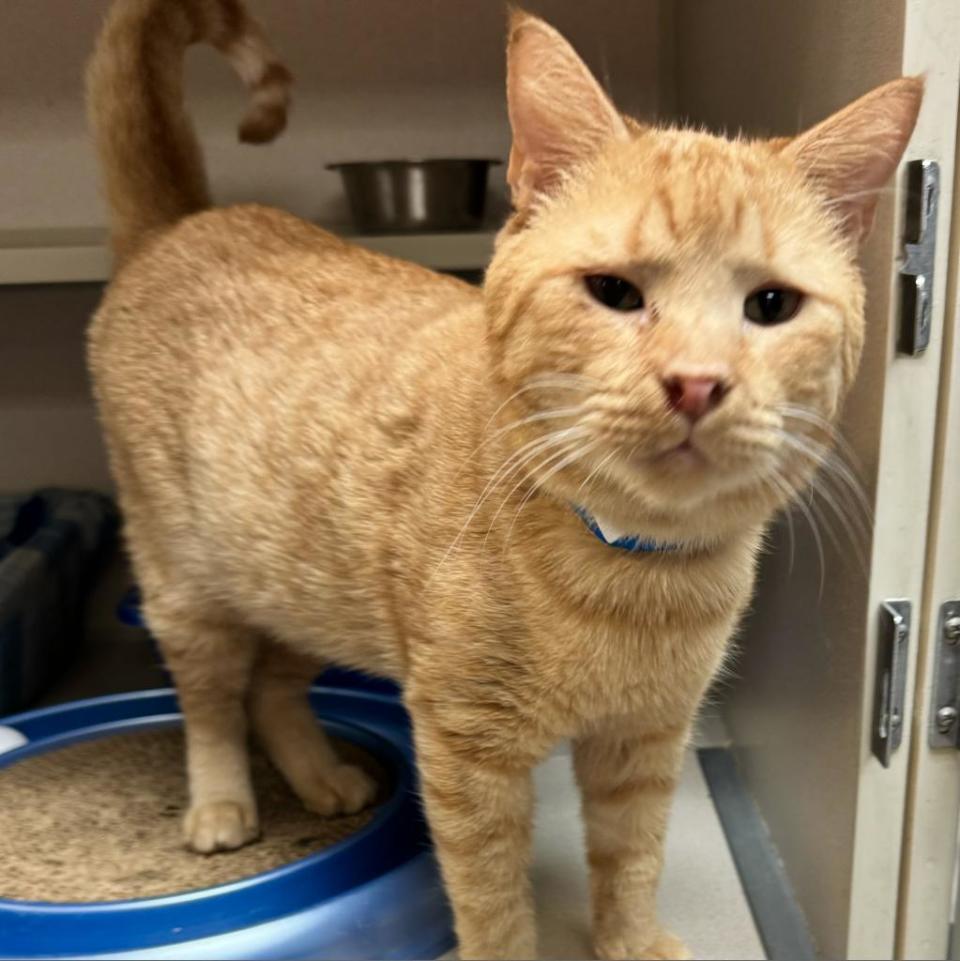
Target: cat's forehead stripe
x: 673, y: 221
x: 701, y: 191
x: 666, y: 203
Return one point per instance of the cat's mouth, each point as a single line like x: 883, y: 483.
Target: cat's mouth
x: 686, y: 455
x: 679, y: 464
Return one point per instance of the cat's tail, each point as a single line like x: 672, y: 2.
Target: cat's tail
x: 153, y: 169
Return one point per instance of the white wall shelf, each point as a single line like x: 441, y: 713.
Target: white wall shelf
x: 70, y: 255
x: 54, y: 255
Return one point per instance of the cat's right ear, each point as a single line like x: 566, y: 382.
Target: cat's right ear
x: 559, y: 114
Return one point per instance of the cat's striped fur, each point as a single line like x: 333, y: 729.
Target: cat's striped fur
x: 324, y: 454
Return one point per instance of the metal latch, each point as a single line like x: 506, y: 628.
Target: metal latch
x: 920, y: 248
x: 888, y: 711
x: 945, y: 708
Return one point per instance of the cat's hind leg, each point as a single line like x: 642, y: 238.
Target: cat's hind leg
x: 295, y: 741
x: 210, y: 659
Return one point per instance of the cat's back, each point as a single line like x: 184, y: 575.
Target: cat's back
x: 232, y: 308
x: 248, y: 275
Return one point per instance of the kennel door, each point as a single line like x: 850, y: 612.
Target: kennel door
x: 930, y: 851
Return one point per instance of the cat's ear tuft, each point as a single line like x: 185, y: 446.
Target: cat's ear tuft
x: 559, y: 114
x: 852, y: 154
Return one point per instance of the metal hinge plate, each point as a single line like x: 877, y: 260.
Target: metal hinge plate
x: 920, y: 250
x: 893, y: 646
x: 945, y: 706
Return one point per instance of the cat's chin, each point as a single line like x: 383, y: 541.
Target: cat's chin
x: 683, y: 492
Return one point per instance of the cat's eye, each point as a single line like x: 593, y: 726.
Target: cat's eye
x: 772, y: 305
x: 614, y: 292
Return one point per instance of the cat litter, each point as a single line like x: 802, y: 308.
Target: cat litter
x: 93, y: 864
x: 100, y: 821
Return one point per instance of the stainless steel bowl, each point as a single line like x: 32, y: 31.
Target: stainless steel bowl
x: 398, y: 196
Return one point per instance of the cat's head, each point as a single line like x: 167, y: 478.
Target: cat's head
x: 678, y: 315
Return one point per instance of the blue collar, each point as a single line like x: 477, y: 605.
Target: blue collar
x: 632, y: 543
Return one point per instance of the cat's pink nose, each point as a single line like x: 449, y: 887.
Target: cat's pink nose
x: 694, y: 396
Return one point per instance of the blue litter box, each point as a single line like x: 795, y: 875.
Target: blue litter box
x: 376, y: 894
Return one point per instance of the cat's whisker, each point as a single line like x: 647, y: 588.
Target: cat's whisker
x: 558, y: 438
x: 787, y: 512
x: 571, y: 458
x: 836, y: 486
x: 808, y: 448
x: 539, y: 416
x: 795, y: 498
x: 855, y: 538
x: 555, y: 381
x: 840, y: 481
x: 837, y: 481
x: 849, y: 482
x: 829, y: 455
x: 519, y: 454
x: 596, y: 470
x: 528, y: 475
x: 843, y: 484
x: 808, y: 416
x: 535, y: 419
x: 529, y: 449
x: 524, y: 455
x: 836, y: 542
x: 818, y: 540
x: 823, y: 493
x: 515, y: 461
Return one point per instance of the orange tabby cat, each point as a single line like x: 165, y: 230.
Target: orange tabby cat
x: 538, y: 505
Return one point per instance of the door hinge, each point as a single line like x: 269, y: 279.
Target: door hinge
x: 920, y: 251
x: 892, y: 648
x: 945, y: 706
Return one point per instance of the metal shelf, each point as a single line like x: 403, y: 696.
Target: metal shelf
x: 71, y: 255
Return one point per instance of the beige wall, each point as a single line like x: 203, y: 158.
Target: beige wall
x: 774, y: 68
x: 48, y: 430
x: 375, y: 79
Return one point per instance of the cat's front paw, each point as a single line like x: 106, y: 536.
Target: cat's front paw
x: 344, y: 789
x: 220, y: 826
x: 662, y: 946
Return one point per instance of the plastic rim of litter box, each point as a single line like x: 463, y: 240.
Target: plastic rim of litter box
x: 376, y: 893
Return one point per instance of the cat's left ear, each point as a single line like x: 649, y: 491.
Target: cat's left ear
x: 559, y: 114
x: 852, y: 154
